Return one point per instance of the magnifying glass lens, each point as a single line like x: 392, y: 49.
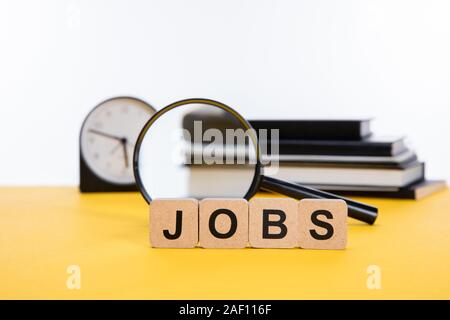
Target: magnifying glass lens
x: 196, y: 150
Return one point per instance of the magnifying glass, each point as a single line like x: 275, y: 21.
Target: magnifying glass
x: 182, y: 152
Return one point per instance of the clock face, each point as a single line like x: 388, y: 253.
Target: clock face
x: 108, y: 137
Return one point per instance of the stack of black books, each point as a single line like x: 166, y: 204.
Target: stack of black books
x: 345, y: 157
x: 340, y: 156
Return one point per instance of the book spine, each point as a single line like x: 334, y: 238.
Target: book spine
x: 345, y: 130
x: 298, y: 148
x: 402, y: 194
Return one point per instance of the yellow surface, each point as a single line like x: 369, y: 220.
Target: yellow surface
x: 44, y: 230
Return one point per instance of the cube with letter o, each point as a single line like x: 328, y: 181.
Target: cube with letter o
x: 223, y: 223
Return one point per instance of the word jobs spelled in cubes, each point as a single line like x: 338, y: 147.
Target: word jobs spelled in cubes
x: 235, y: 223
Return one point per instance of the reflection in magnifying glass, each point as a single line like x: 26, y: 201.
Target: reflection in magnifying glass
x: 200, y: 148
x: 179, y: 155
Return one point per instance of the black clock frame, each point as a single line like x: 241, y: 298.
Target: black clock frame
x: 89, y: 181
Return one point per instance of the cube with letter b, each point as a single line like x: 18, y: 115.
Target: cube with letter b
x: 223, y: 223
x: 174, y: 223
x: 273, y: 223
x: 322, y: 224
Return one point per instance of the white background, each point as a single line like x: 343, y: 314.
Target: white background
x: 284, y: 59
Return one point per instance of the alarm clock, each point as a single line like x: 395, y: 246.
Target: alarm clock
x: 107, y: 139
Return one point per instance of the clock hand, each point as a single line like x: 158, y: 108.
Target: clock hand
x: 125, y: 154
x: 107, y: 135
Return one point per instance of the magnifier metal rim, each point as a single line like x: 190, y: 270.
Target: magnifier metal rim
x: 256, y: 178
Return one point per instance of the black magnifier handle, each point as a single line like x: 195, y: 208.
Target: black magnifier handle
x: 356, y: 210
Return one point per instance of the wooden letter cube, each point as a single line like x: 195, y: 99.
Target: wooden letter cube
x: 323, y: 224
x: 223, y: 223
x: 174, y: 223
x: 273, y: 223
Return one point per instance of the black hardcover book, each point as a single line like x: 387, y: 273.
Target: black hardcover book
x: 316, y: 129
x: 399, y: 175
x: 416, y: 190
x: 403, y: 157
x: 350, y: 165
x: 300, y: 129
x: 371, y: 146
